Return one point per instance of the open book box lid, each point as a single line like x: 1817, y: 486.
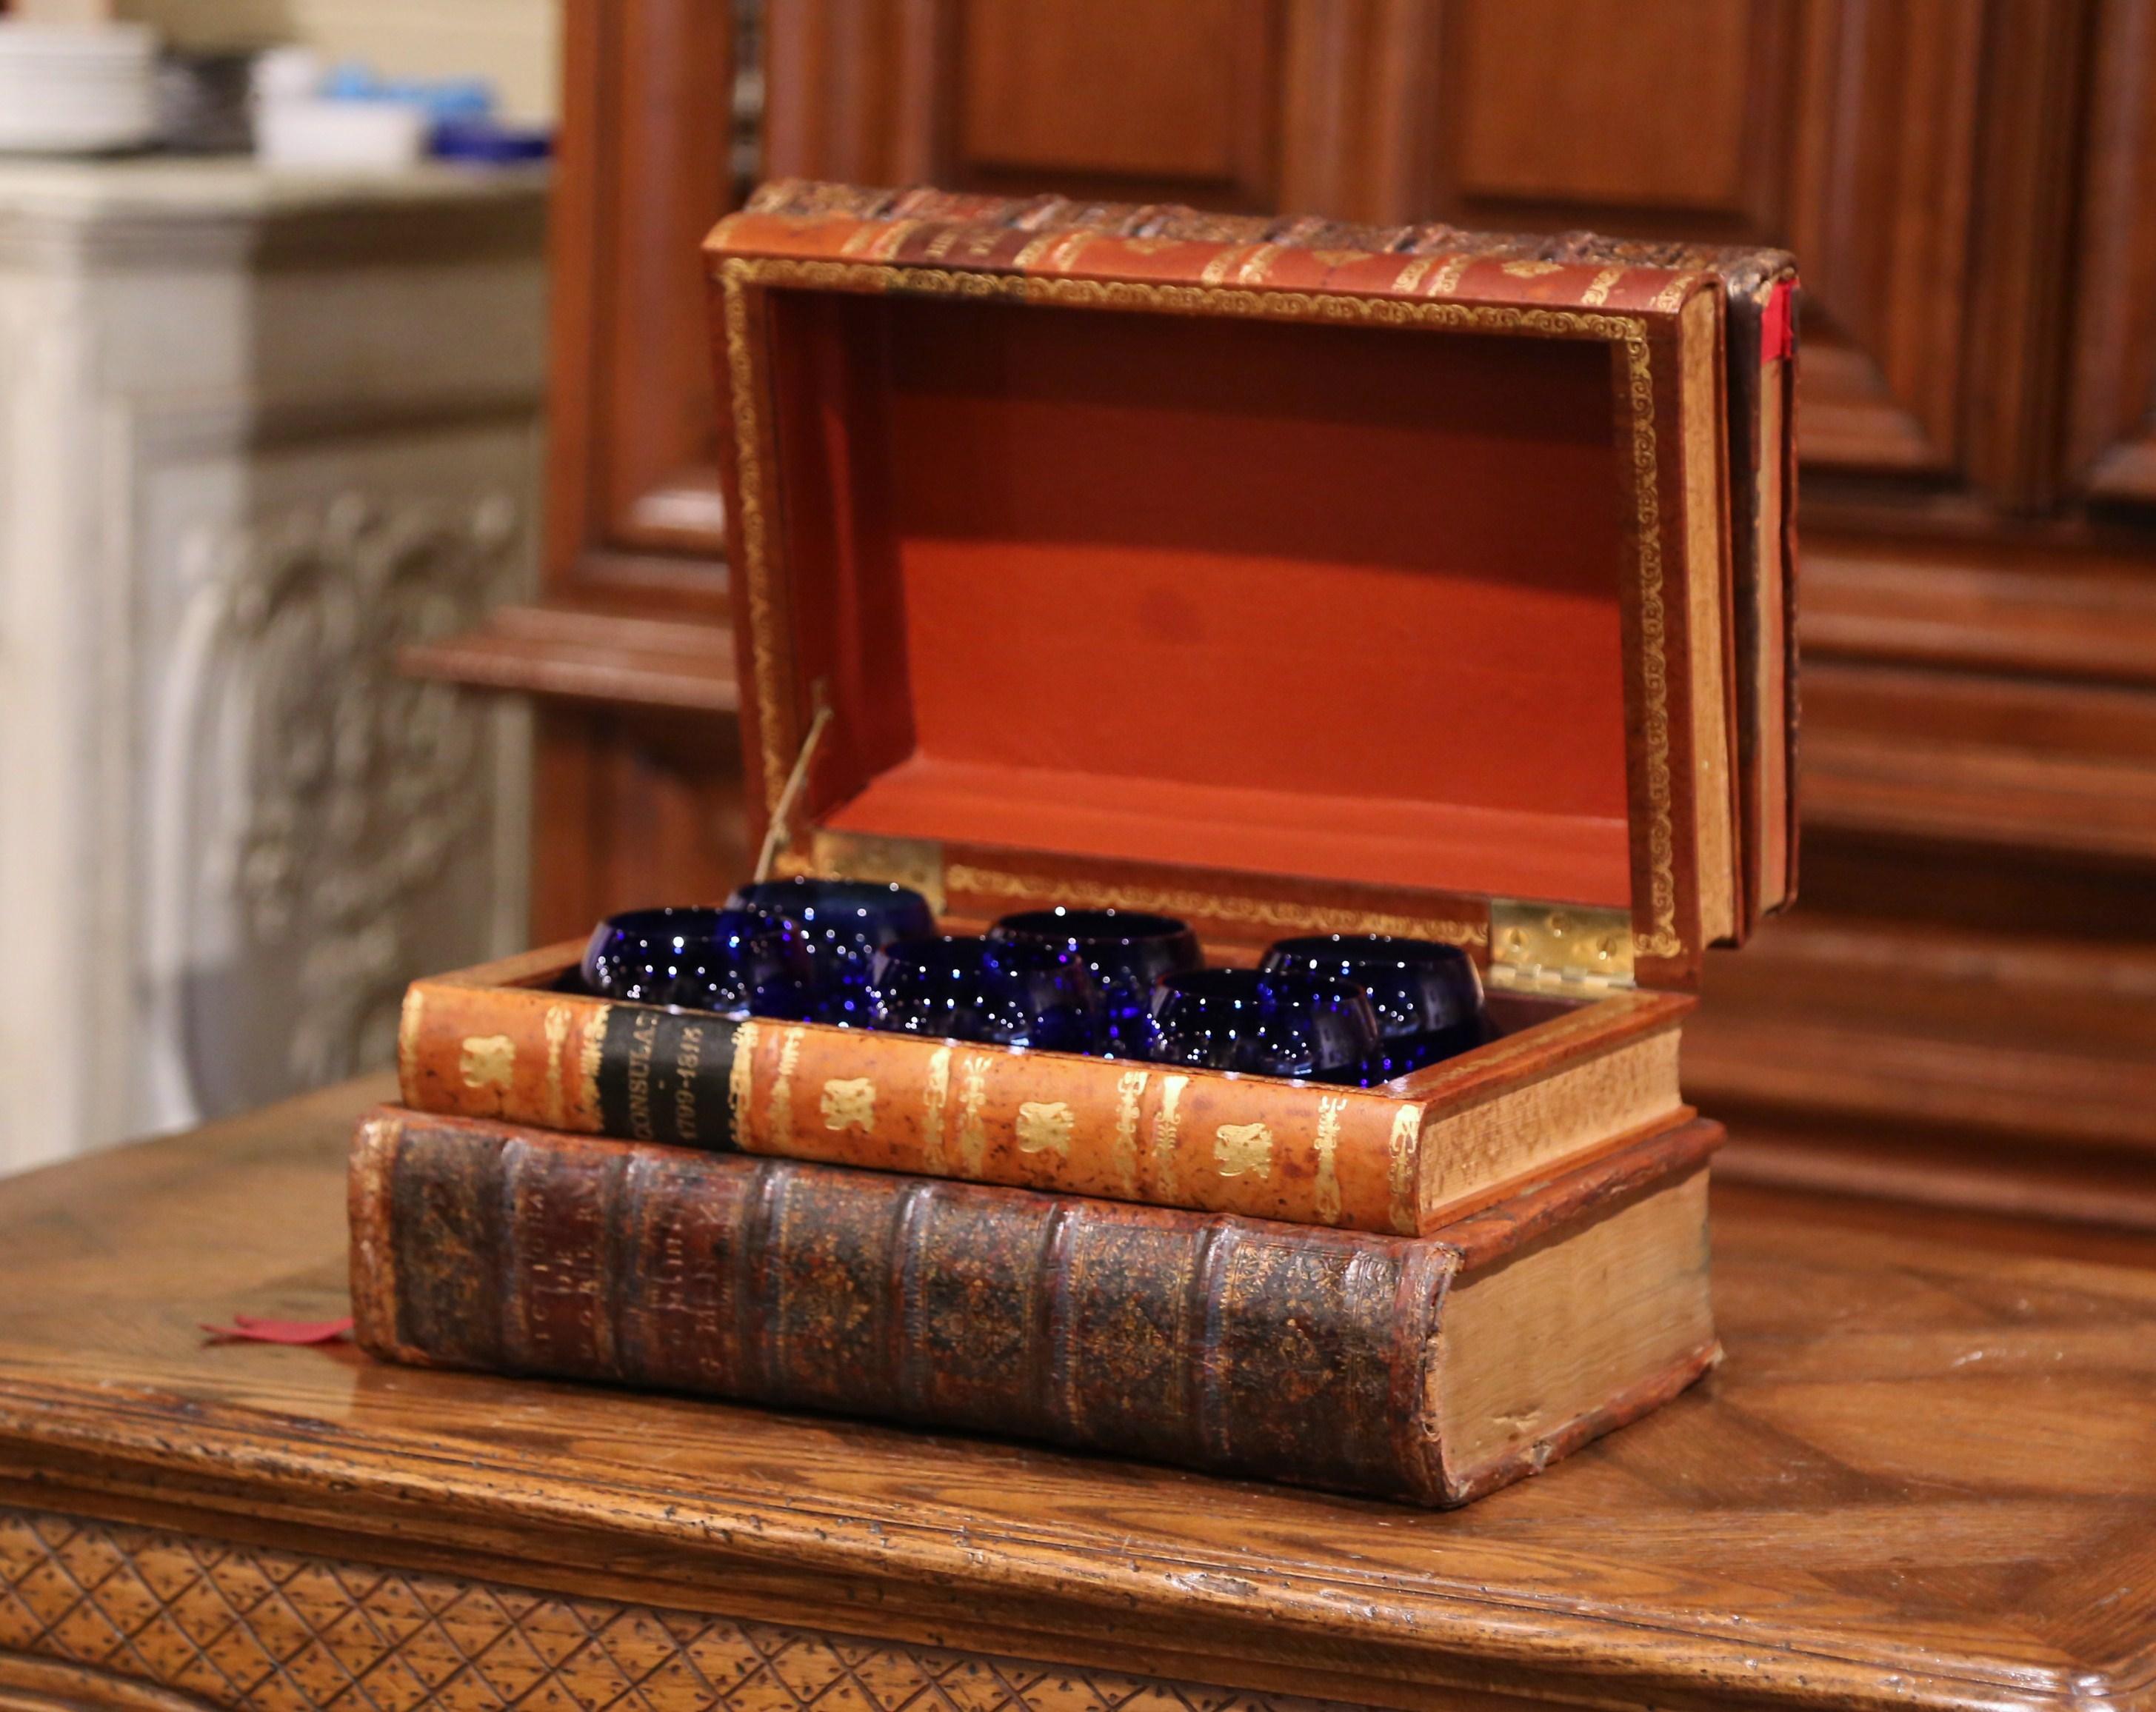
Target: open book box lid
x: 1285, y: 588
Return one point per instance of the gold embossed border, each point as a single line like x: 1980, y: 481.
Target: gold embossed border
x: 737, y: 276
x: 1274, y: 914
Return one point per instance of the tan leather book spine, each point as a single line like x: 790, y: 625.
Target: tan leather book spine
x: 1313, y: 1356
x: 502, y: 1052
x: 1403, y: 1158
x: 493, y: 1048
x: 1355, y: 1159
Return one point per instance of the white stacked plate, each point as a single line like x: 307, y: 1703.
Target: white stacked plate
x: 74, y: 91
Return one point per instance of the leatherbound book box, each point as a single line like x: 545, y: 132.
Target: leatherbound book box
x: 1288, y: 579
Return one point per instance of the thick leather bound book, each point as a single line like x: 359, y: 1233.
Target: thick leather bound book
x: 1429, y: 1370
x: 1407, y: 1158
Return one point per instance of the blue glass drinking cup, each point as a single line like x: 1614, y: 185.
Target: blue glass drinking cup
x: 1427, y: 996
x: 1265, y: 1024
x: 695, y: 958
x: 960, y: 987
x: 1126, y: 953
x: 844, y: 923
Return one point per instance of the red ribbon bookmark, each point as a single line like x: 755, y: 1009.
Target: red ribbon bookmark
x: 251, y: 1329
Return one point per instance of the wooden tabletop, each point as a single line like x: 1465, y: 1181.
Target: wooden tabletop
x: 1926, y: 1475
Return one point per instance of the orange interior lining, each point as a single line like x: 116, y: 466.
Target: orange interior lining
x: 1331, y: 601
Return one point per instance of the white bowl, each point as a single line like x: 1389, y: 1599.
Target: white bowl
x: 319, y: 134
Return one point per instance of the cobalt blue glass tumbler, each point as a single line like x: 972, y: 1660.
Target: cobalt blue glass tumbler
x: 959, y: 987
x: 1428, y: 997
x: 1264, y: 1024
x: 1126, y: 953
x: 699, y: 958
x: 844, y: 923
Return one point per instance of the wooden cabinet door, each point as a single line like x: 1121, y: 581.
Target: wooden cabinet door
x: 638, y: 789
x: 1121, y: 97
x: 1883, y: 143
x: 1876, y: 141
x: 2110, y: 429
x: 1122, y: 100
x: 645, y: 169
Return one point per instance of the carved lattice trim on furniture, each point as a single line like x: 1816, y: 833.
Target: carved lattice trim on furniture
x: 253, y: 1630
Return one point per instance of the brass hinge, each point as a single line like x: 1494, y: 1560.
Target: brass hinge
x: 1559, y: 947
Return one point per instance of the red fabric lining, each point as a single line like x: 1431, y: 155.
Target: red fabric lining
x: 1363, y: 839
x: 1333, y: 602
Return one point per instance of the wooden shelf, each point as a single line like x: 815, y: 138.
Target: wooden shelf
x: 578, y: 654
x: 2038, y: 609
x: 1787, y: 1150
x: 2058, y: 763
x: 1994, y: 1069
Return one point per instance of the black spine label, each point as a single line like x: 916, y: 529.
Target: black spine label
x: 664, y: 1076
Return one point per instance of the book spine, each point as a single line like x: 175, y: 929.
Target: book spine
x: 1266, y: 1149
x: 1218, y: 1343
x: 1399, y: 1161
x: 564, y: 1061
x: 1222, y: 258
x: 1149, y: 1133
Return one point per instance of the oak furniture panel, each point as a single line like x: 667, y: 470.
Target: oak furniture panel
x: 661, y: 796
x: 1112, y: 98
x: 1176, y: 102
x: 646, y: 164
x: 1598, y: 104
x: 1913, y: 156
x: 1881, y: 183
x: 1847, y: 132
x: 2112, y: 425
x: 637, y: 769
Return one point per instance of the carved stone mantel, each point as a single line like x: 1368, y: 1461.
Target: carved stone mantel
x: 257, y: 432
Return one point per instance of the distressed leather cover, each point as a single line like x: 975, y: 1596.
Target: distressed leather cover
x: 1222, y: 1343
